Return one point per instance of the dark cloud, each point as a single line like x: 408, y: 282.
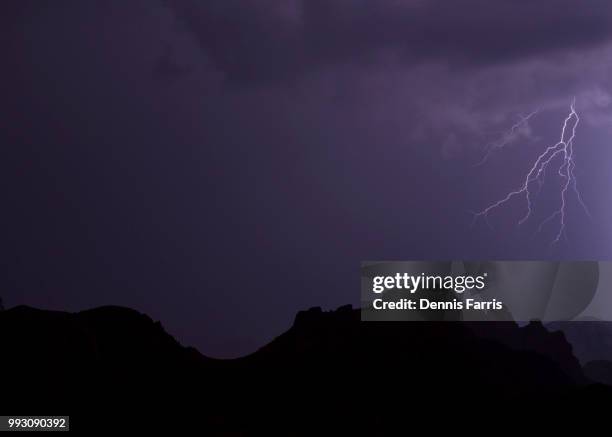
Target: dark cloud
x: 268, y: 39
x: 169, y: 68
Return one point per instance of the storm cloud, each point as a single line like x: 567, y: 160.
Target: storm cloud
x: 251, y: 40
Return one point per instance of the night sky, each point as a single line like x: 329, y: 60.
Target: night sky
x: 221, y: 165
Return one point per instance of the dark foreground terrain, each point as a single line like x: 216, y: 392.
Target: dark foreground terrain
x: 328, y: 374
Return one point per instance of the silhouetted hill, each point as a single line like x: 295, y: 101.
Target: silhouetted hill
x: 599, y: 371
x: 329, y: 372
x: 109, y: 336
x: 591, y: 339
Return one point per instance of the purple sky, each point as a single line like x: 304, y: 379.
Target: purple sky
x: 221, y: 165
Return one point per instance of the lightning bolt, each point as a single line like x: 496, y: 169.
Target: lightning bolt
x: 506, y: 138
x: 561, y: 152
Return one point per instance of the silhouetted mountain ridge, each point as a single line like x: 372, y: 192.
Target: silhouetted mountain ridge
x: 328, y: 368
